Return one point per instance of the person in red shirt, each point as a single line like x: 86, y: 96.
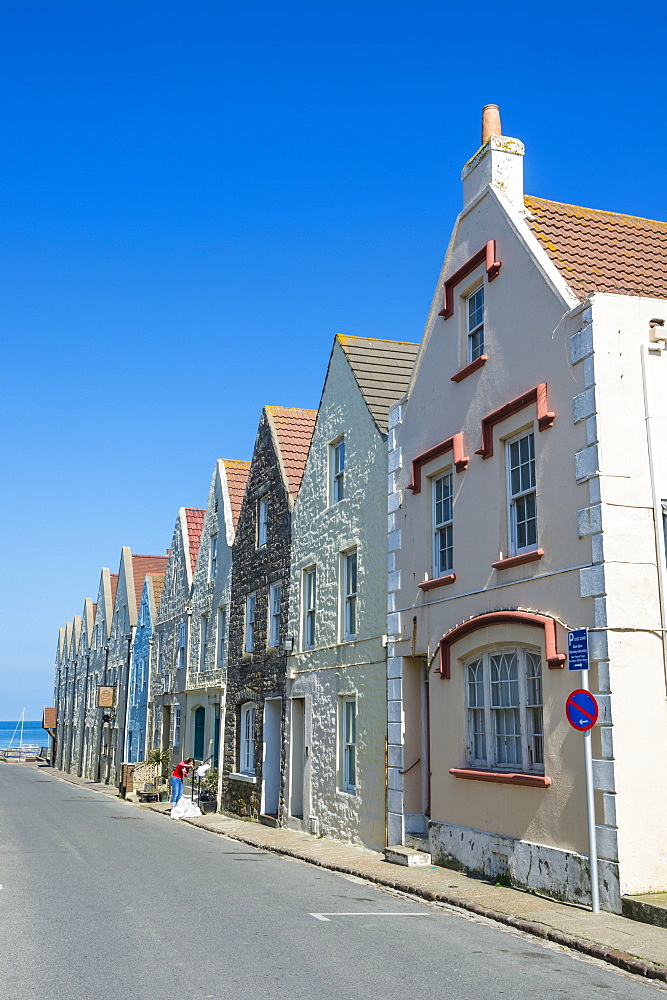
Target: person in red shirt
x: 180, y: 772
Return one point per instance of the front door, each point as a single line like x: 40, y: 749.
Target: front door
x: 271, y: 759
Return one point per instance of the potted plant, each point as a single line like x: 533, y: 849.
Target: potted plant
x: 209, y: 791
x: 161, y: 758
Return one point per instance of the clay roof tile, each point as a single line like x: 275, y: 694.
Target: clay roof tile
x: 598, y: 251
x: 141, y: 565
x: 237, y: 477
x: 195, y: 520
x: 294, y: 430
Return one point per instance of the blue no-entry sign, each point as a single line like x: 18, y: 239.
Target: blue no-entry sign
x: 577, y: 649
x: 581, y: 709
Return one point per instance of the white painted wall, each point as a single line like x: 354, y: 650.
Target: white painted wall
x: 320, y: 532
x: 596, y: 527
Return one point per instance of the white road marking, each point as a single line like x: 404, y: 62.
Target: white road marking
x: 356, y: 913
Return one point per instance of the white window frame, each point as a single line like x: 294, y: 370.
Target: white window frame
x: 348, y: 731
x: 350, y: 569
x: 443, y: 523
x: 250, y: 618
x: 505, y: 714
x: 213, y: 557
x: 519, y: 494
x: 337, y: 470
x: 247, y: 738
x: 275, y: 611
x: 176, y: 716
x: 221, y: 636
x: 474, y: 325
x: 309, y: 606
x: 182, y: 643
x: 203, y: 642
x: 262, y: 522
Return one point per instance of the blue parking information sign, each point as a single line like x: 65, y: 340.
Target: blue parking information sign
x: 577, y: 649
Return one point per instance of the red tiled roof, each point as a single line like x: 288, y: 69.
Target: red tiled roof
x: 598, y: 251
x: 49, y: 718
x: 114, y: 587
x: 195, y: 521
x: 237, y: 477
x: 294, y: 430
x: 141, y: 565
x: 94, y: 610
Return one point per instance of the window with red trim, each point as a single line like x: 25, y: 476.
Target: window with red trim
x: 504, y: 710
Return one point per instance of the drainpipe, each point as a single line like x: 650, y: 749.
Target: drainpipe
x: 661, y: 560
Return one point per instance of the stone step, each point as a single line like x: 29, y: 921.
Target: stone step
x: 399, y: 855
x: 267, y: 820
x: 417, y: 841
x: 650, y: 908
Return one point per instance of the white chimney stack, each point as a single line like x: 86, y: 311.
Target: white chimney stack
x: 498, y: 163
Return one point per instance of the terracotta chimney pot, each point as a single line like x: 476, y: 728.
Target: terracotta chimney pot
x: 490, y: 122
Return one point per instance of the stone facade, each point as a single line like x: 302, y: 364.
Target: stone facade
x: 257, y: 677
x: 326, y: 668
x: 172, y: 636
x: 137, y: 716
x: 96, y: 730
x: 205, y: 685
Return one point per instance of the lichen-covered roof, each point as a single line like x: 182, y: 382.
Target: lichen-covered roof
x: 157, y: 579
x: 237, y: 477
x: 382, y: 369
x: 294, y: 430
x: 597, y: 251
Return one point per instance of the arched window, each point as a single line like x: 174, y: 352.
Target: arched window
x: 504, y: 710
x: 200, y: 726
x: 247, y: 739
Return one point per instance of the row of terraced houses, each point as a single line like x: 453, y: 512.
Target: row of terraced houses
x: 366, y: 627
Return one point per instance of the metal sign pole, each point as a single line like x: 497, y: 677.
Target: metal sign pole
x: 582, y: 712
x: 590, y: 805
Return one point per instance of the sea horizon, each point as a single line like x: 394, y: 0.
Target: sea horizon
x: 32, y: 733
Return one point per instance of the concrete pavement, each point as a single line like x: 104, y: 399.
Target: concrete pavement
x: 636, y: 947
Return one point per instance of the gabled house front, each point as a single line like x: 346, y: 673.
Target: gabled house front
x: 336, y: 722
x: 131, y: 575
x: 138, y: 685
x: 528, y: 472
x: 81, y: 688
x: 96, y: 732
x: 172, y: 635
x: 253, y: 765
x: 207, y: 653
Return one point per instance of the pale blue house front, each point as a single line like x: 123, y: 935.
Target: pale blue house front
x: 137, y: 710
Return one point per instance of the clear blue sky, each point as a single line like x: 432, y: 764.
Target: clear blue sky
x: 195, y: 197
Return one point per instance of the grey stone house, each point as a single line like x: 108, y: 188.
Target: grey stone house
x: 172, y: 636
x: 337, y: 717
x: 252, y: 778
x: 207, y: 654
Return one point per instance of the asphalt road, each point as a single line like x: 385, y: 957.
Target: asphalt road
x: 101, y: 900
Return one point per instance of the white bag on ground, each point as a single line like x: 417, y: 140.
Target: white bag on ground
x: 185, y: 809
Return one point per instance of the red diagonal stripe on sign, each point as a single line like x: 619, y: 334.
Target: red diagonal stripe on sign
x: 573, y: 701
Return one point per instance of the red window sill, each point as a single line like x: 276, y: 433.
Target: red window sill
x: 523, y: 557
x: 502, y: 777
x: 474, y: 366
x: 440, y: 581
